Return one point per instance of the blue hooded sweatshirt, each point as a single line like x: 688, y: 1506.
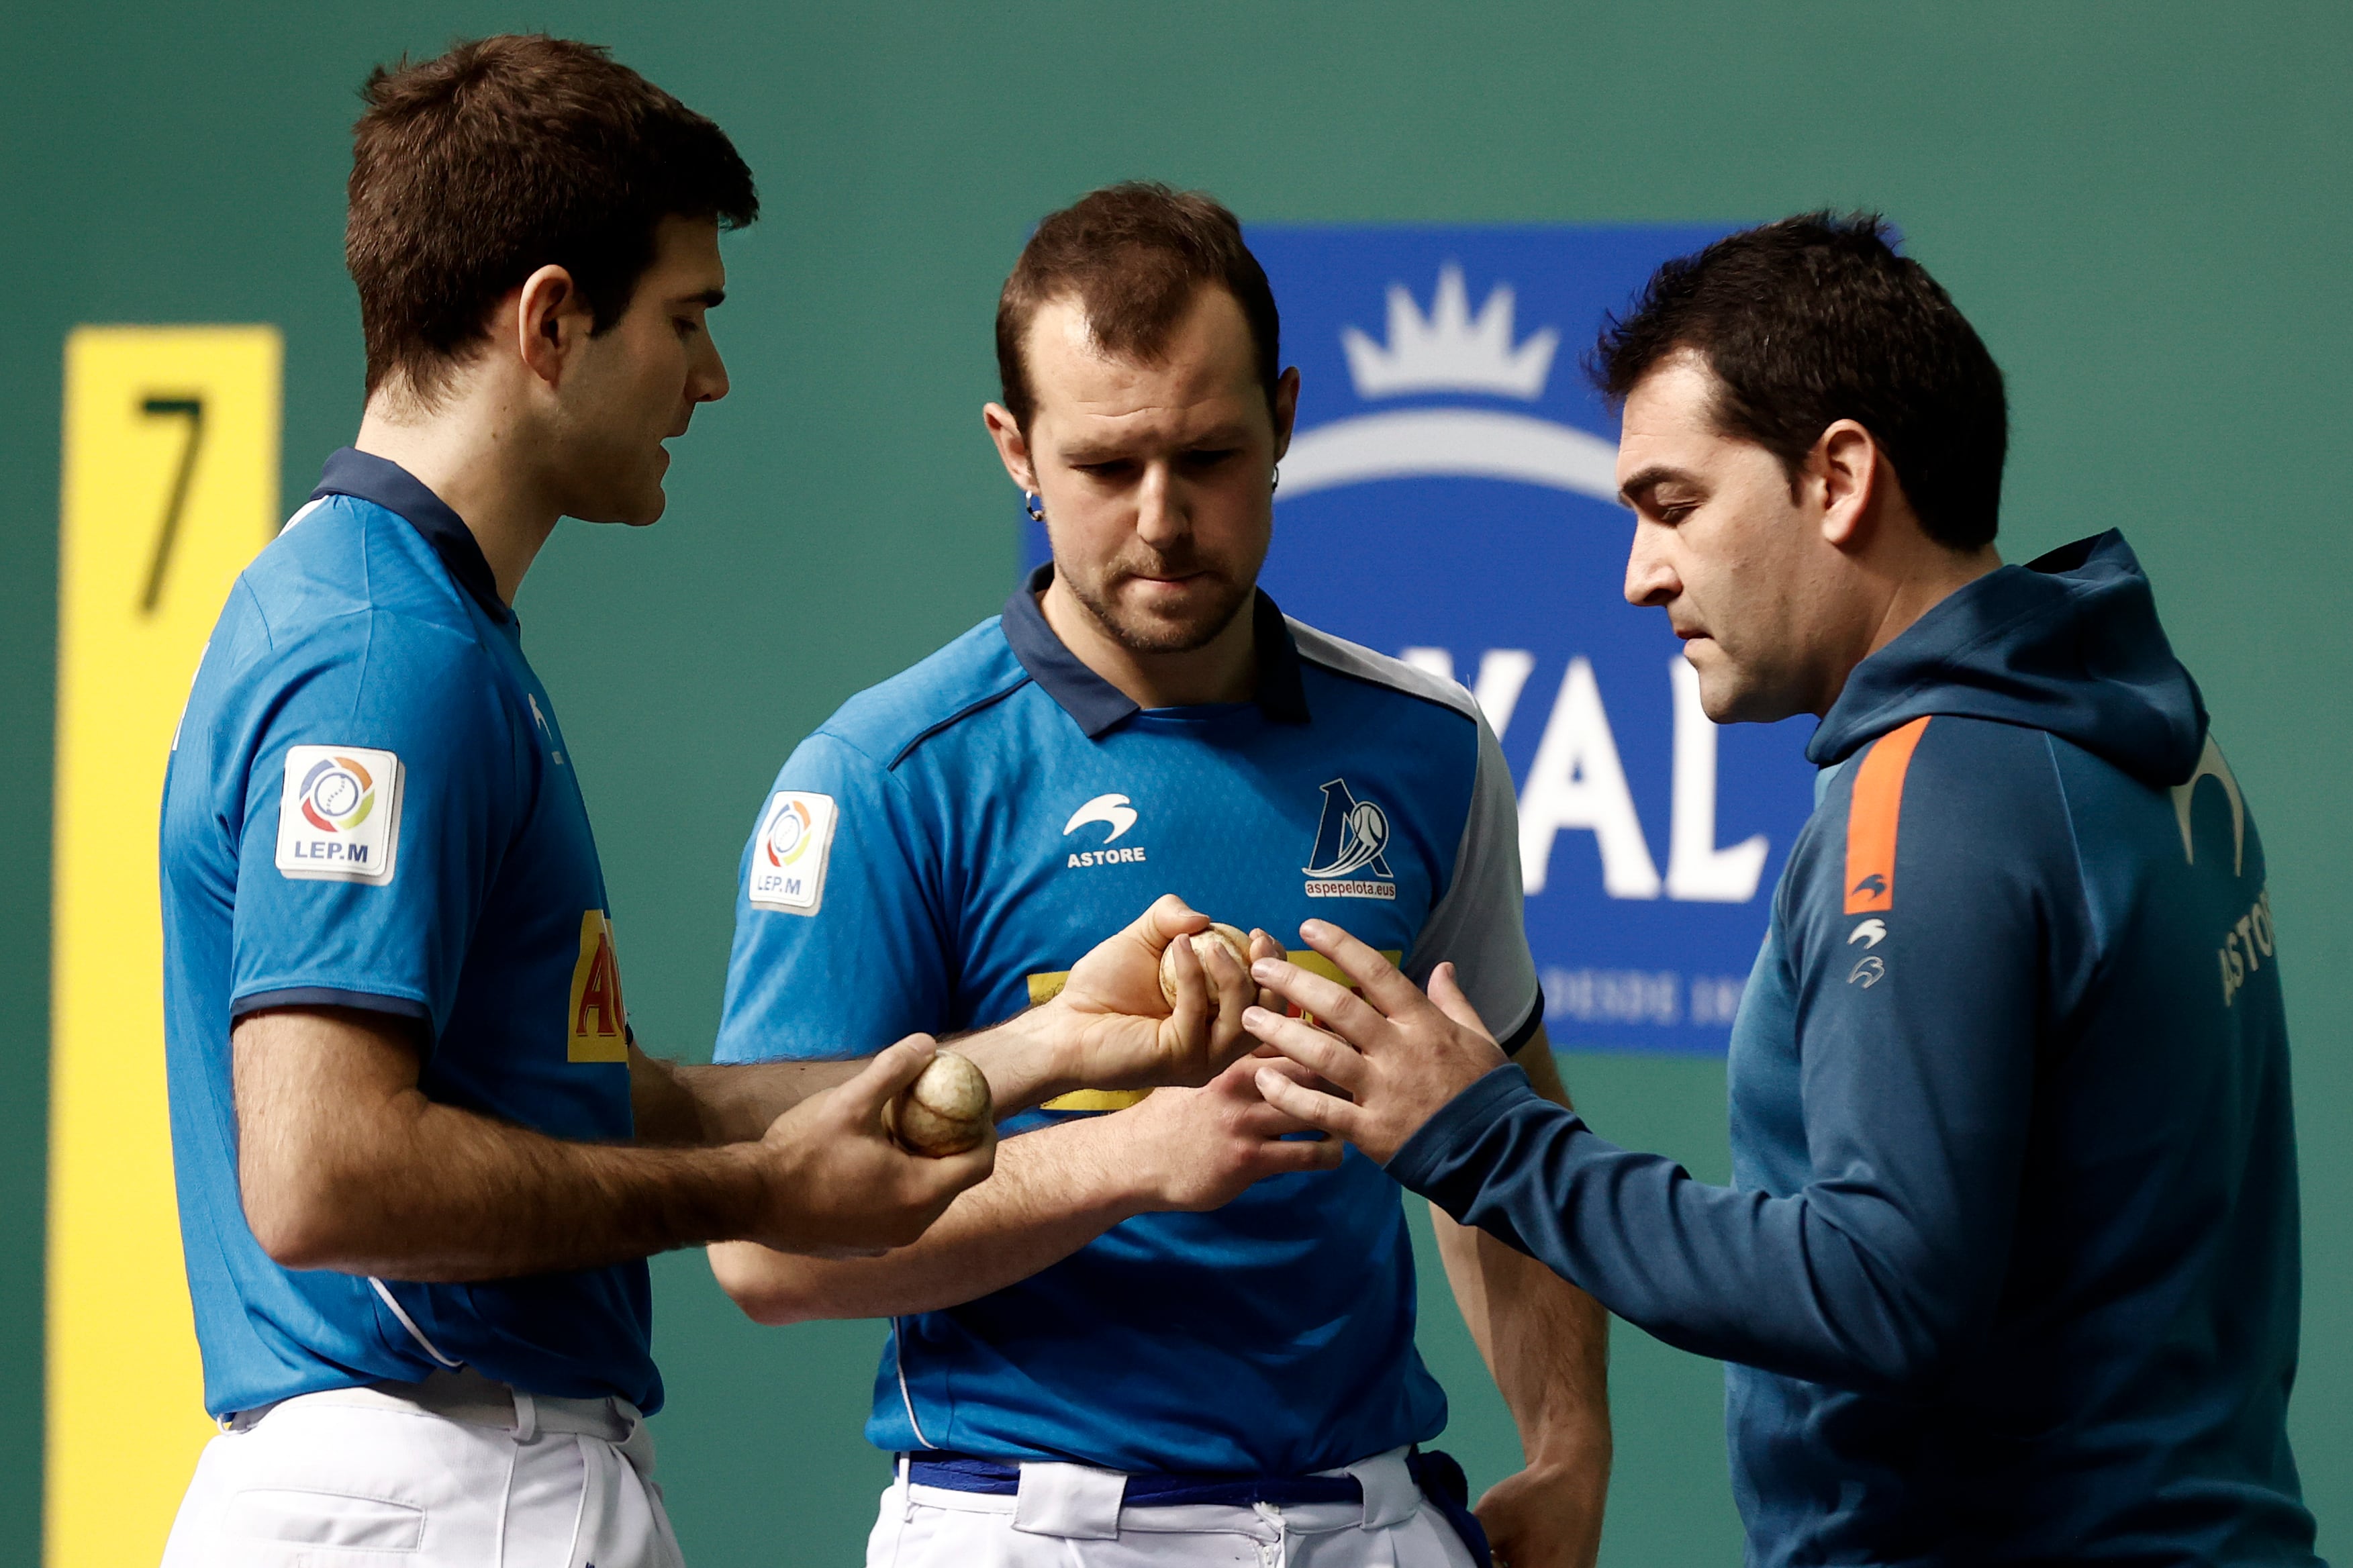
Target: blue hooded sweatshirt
x: 2007, y: 1271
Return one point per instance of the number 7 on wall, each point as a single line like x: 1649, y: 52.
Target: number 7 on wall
x: 192, y: 409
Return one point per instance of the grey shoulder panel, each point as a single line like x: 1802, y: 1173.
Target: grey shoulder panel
x: 1479, y: 922
x: 1358, y: 662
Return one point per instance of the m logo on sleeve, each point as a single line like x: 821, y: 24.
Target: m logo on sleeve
x: 600, y: 1023
x: 789, y: 860
x: 339, y: 818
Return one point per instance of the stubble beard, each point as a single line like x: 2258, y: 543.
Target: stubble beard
x: 1146, y: 634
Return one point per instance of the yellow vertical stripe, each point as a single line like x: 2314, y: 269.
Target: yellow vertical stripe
x: 154, y: 416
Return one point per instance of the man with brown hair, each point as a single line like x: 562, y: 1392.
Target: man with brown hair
x: 420, y: 1158
x: 1169, y: 1327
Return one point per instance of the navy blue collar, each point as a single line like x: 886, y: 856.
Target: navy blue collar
x: 1098, y: 705
x: 352, y: 472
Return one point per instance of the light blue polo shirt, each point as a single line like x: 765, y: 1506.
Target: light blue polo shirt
x: 370, y: 806
x: 947, y: 844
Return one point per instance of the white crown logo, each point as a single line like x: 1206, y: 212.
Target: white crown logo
x: 1451, y: 350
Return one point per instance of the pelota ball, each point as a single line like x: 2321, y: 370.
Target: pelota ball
x: 1235, y: 942
x: 945, y: 1111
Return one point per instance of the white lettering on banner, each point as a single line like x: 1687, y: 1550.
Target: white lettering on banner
x: 1613, y: 995
x: 1640, y: 996
x: 1696, y: 869
x: 1576, y: 781
x: 1579, y: 782
x: 1502, y: 673
x: 1437, y: 661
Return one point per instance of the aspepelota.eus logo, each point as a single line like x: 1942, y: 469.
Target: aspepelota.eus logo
x: 1351, y: 839
x: 339, y: 818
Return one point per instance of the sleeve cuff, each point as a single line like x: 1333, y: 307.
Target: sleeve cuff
x: 1432, y: 1158
x: 1528, y: 1027
x: 330, y: 996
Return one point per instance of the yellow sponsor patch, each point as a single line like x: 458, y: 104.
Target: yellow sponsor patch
x: 1044, y: 988
x: 600, y: 1022
x: 1316, y: 963
x: 1097, y: 1099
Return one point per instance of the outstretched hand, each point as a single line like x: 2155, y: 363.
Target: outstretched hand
x: 1396, y: 1055
x: 1121, y: 1030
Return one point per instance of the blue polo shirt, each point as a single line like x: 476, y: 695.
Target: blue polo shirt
x: 939, y: 854
x: 370, y: 806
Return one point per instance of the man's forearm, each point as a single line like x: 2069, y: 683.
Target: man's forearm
x: 682, y: 1105
x: 450, y: 1196
x: 685, y: 1106
x: 344, y: 1163
x: 1026, y: 1062
x: 1054, y: 1190
x: 1547, y: 1342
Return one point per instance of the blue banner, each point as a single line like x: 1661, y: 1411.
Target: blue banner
x: 1449, y: 497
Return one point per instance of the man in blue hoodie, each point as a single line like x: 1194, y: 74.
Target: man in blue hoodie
x: 2007, y: 1271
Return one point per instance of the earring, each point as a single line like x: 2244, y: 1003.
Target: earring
x: 1278, y: 480
x: 1032, y: 503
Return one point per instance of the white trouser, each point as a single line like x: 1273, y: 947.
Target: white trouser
x: 1071, y: 1516
x: 455, y: 1470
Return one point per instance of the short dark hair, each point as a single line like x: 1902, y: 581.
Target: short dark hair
x: 471, y: 170
x: 1817, y: 319
x: 1135, y: 254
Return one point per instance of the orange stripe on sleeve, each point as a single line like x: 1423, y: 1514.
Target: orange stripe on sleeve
x: 1871, y: 818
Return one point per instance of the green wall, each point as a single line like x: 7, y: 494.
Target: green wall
x: 2143, y: 208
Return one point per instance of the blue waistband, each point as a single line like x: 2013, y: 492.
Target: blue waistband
x: 1435, y: 1472
x: 963, y: 1473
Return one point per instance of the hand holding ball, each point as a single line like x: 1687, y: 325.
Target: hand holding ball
x: 1204, y: 942
x: 945, y: 1111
